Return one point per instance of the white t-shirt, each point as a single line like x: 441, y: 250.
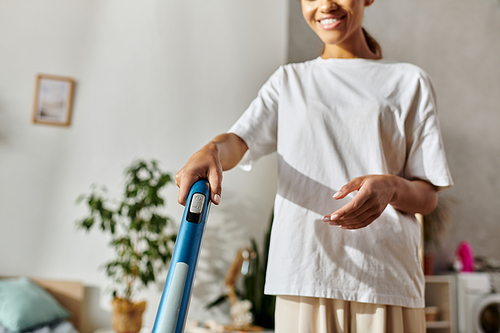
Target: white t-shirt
x: 331, y: 120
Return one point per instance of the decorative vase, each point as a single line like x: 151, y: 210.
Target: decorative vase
x: 127, y: 316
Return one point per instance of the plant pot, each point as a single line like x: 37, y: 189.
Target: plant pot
x: 127, y: 316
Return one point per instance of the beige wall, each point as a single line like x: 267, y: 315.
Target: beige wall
x: 458, y: 43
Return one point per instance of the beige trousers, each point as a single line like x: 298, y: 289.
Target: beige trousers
x: 297, y: 314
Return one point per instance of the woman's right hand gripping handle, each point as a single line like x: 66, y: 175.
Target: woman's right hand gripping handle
x: 221, y: 154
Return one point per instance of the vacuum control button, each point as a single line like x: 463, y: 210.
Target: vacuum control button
x: 197, y: 203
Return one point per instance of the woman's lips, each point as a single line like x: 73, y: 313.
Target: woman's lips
x: 330, y: 22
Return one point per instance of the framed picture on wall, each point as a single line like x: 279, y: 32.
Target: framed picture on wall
x: 53, y: 100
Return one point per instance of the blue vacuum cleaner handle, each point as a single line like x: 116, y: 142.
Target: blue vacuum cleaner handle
x: 174, y: 303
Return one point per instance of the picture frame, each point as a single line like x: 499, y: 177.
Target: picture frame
x: 53, y: 100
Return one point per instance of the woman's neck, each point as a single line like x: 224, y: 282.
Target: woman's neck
x: 341, y: 53
x: 354, y: 48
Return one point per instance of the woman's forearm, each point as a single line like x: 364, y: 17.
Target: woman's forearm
x: 230, y: 149
x: 414, y: 196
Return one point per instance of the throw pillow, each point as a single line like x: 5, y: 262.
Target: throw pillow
x: 24, y: 304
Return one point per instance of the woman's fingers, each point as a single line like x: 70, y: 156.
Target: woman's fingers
x: 222, y: 153
x: 352, y: 186
x: 374, y: 194
x: 357, y: 206
x: 361, y: 224
x: 184, y: 184
x: 215, y: 180
x: 358, y: 222
x: 204, y: 164
x: 185, y: 179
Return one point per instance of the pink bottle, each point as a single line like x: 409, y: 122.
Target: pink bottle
x: 466, y: 256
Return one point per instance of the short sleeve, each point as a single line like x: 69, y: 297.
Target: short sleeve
x: 258, y: 124
x: 426, y: 157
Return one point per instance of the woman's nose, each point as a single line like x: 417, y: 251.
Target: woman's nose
x: 328, y: 5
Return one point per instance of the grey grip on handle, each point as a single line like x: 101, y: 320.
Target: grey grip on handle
x: 173, y: 303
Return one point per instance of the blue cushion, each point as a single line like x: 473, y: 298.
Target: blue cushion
x: 24, y: 305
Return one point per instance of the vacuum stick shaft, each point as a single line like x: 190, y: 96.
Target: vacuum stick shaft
x: 174, y: 303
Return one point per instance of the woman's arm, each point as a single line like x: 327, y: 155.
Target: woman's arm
x: 221, y: 154
x: 375, y: 192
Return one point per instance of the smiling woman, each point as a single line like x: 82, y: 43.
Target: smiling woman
x: 355, y: 135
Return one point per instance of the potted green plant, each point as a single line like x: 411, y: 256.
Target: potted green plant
x: 140, y: 236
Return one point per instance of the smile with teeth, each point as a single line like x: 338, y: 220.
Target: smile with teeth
x: 328, y: 21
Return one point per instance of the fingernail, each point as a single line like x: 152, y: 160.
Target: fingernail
x: 334, y: 217
x: 326, y: 219
x: 216, y: 199
x: 336, y: 195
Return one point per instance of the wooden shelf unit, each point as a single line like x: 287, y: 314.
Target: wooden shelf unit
x: 440, y: 292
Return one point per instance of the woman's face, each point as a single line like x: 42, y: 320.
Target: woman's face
x: 336, y: 22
